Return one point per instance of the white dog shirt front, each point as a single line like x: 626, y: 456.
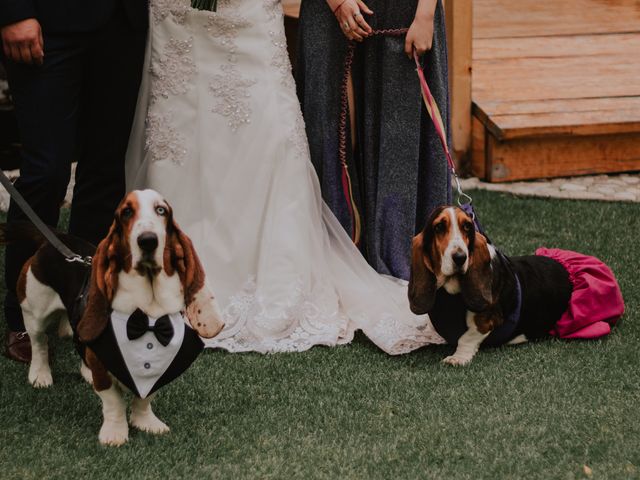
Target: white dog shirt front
x: 145, y: 357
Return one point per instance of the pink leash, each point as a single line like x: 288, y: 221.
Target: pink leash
x: 432, y: 109
x: 438, y: 123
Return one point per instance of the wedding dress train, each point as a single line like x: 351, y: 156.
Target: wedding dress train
x: 219, y: 133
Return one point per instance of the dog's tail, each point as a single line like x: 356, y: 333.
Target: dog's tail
x: 23, y: 233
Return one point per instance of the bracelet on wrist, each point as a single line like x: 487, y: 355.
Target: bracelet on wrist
x: 335, y: 4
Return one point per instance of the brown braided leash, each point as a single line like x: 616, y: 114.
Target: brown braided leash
x: 347, y: 186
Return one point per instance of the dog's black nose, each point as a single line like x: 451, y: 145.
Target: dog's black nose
x: 459, y: 258
x: 148, y: 242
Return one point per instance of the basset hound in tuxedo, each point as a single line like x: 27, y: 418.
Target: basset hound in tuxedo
x: 136, y: 314
x: 475, y: 295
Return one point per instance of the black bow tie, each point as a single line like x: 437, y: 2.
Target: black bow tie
x: 138, y: 325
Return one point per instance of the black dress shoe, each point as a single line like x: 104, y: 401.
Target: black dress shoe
x: 18, y: 347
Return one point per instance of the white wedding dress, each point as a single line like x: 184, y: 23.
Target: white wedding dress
x: 219, y: 133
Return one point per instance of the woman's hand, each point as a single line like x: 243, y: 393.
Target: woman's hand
x: 351, y: 20
x: 419, y: 36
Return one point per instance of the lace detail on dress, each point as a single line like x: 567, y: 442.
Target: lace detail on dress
x: 399, y: 337
x: 281, y: 59
x: 299, y: 137
x: 227, y: 28
x: 282, y: 63
x: 230, y: 87
x: 233, y: 91
x: 177, y: 9
x: 173, y: 71
x: 273, y: 8
x: 304, y: 320
x: 163, y: 142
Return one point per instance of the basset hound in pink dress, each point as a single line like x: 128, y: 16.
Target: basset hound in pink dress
x: 136, y: 315
x: 475, y: 295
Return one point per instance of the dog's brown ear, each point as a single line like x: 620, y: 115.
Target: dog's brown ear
x: 104, y: 282
x: 476, y: 284
x: 422, y: 282
x: 180, y: 256
x: 201, y: 308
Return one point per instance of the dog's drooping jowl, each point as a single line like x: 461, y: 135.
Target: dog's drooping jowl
x: 136, y: 314
x: 475, y: 295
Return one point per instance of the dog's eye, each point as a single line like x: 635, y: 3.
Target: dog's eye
x: 467, y: 227
x: 440, y: 227
x: 161, y: 211
x: 127, y: 213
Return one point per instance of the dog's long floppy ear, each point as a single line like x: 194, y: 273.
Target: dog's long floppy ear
x: 180, y: 256
x: 422, y: 282
x: 477, y: 283
x: 107, y: 263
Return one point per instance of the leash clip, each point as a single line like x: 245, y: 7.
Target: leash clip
x: 463, y: 198
x: 80, y: 259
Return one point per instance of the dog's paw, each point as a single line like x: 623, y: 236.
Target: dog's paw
x: 113, y: 434
x: 40, y: 377
x: 456, y: 361
x: 64, y: 329
x: 149, y: 423
x: 86, y: 373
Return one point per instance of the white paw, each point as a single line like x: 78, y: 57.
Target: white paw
x: 149, y: 423
x: 114, y: 434
x: 456, y: 360
x: 86, y: 373
x: 40, y: 377
x: 64, y: 329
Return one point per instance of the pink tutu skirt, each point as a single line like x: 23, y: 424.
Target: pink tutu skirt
x: 596, y: 302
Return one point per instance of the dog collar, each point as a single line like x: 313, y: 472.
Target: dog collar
x: 503, y: 333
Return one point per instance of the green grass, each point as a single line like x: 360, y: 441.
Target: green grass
x: 541, y: 410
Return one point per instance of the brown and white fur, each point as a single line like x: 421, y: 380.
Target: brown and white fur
x: 146, y: 262
x: 450, y: 254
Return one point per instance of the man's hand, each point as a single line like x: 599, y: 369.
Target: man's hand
x: 22, y: 42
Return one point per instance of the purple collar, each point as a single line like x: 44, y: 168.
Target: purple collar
x: 503, y: 334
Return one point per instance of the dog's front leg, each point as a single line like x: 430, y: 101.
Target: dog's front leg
x: 85, y: 372
x: 468, y: 344
x: 39, y: 370
x: 143, y: 418
x: 114, y: 430
x: 64, y: 327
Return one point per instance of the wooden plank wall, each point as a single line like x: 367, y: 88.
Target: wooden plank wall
x: 556, y: 87
x: 459, y: 15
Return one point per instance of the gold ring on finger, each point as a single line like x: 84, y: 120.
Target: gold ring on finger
x: 346, y: 26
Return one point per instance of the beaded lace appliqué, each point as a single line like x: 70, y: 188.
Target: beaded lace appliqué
x: 281, y: 59
x: 304, y: 321
x: 226, y: 27
x: 273, y: 8
x: 232, y: 90
x: 173, y: 71
x: 164, y: 142
x: 230, y: 87
x: 176, y: 9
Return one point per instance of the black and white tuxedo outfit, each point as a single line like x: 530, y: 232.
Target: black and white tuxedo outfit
x: 146, y: 361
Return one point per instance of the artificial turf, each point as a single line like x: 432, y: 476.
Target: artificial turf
x: 543, y: 410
